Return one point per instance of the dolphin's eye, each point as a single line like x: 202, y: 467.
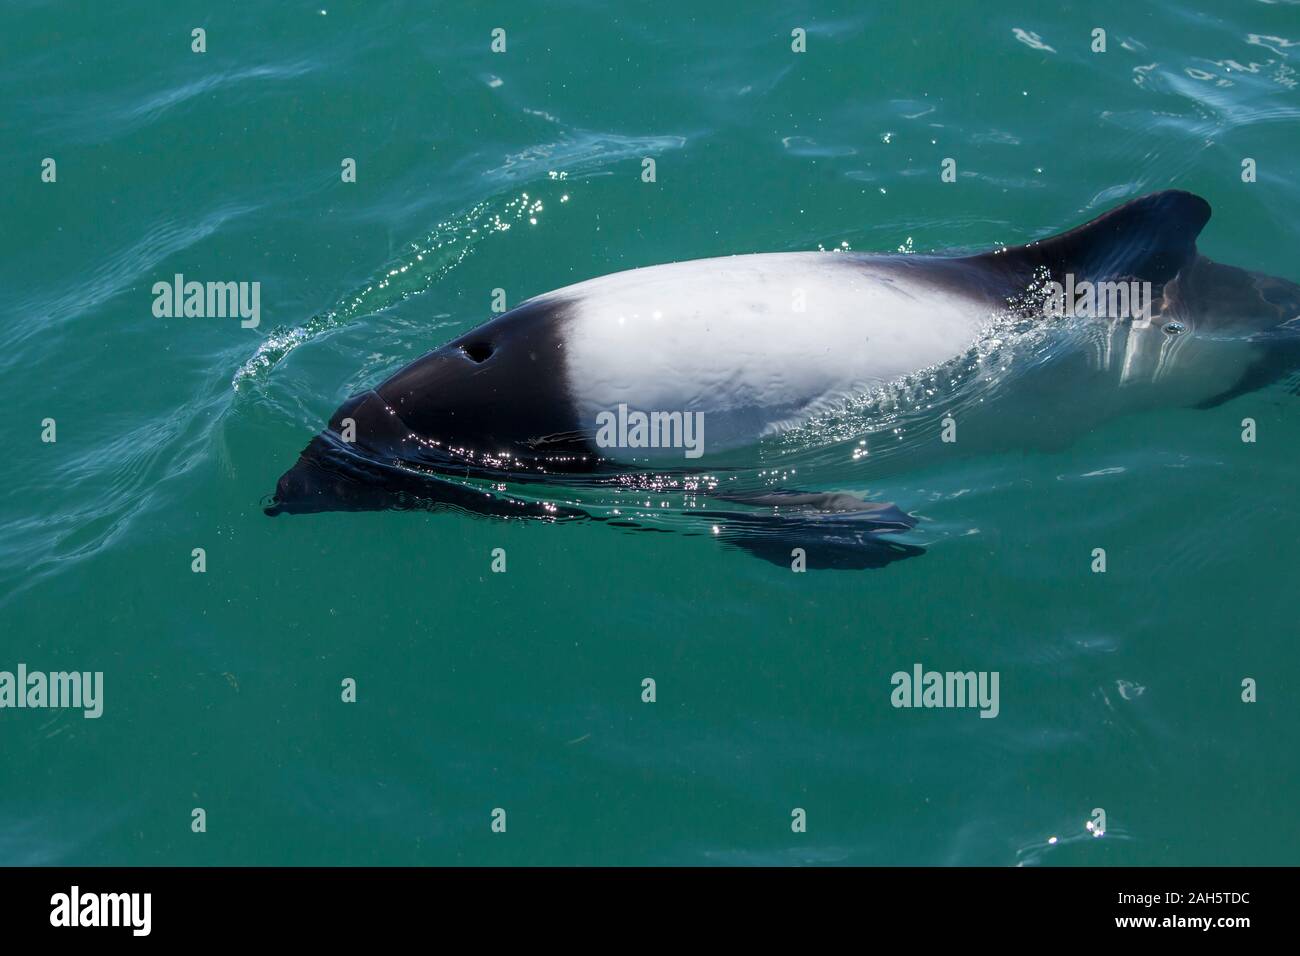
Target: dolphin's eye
x: 1174, y: 328
x: 478, y: 352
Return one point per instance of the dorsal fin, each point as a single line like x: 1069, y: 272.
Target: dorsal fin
x: 1150, y: 239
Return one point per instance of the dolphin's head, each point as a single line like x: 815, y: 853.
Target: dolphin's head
x: 337, y: 471
x: 492, y: 404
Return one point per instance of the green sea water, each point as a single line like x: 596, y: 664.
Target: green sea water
x: 522, y: 690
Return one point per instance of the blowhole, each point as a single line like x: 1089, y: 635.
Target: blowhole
x: 478, y: 352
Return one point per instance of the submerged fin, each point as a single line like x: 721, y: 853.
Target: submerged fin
x: 886, y: 514
x: 833, y: 529
x: 1148, y: 239
x: 843, y: 541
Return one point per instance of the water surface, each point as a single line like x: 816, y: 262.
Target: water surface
x: 522, y: 690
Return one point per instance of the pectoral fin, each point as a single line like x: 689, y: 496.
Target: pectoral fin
x: 831, y: 529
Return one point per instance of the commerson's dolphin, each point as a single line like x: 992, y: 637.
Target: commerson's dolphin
x: 669, y: 381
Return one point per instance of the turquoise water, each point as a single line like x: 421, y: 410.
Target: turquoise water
x: 522, y: 690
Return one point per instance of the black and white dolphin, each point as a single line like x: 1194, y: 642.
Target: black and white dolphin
x: 748, y: 347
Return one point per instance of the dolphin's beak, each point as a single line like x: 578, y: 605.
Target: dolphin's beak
x: 306, y: 487
x: 333, y: 475
x: 325, y: 478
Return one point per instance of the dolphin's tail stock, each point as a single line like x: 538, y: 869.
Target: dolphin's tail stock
x: 1269, y: 309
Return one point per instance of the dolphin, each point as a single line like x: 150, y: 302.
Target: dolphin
x: 669, y: 377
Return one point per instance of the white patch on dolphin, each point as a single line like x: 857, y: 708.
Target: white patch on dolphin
x: 754, y: 342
